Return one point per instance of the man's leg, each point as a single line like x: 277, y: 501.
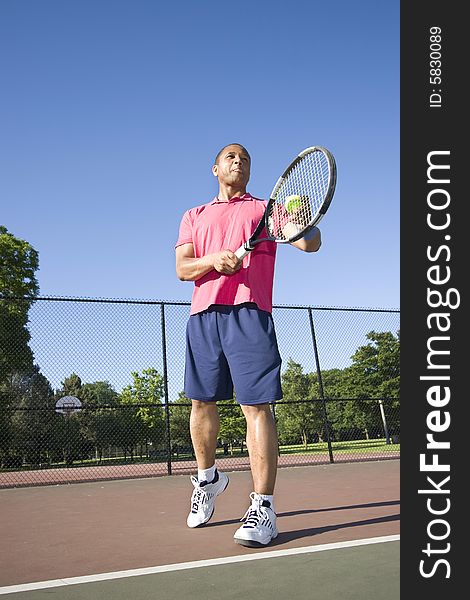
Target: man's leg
x: 259, y: 523
x: 261, y: 439
x: 204, y: 426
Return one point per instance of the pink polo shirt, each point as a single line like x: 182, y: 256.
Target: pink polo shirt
x: 221, y: 225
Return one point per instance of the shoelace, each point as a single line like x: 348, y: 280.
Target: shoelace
x: 198, y: 498
x: 254, y: 514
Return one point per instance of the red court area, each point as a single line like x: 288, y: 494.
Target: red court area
x: 62, y: 531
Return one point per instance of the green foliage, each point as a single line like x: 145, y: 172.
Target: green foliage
x: 179, y: 422
x: 71, y: 386
x: 15, y: 353
x: 18, y: 284
x: 99, y: 425
x: 135, y: 418
x: 19, y: 262
x: 374, y: 373
x: 232, y: 424
x: 99, y: 393
x: 300, y: 421
x: 146, y: 388
x: 30, y: 428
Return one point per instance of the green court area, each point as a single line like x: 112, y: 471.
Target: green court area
x: 367, y: 571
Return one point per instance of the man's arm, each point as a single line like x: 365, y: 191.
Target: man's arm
x: 298, y: 218
x: 189, y: 268
x: 311, y: 242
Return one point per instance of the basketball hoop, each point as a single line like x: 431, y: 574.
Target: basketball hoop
x: 67, y: 405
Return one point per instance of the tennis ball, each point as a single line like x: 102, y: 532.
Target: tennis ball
x: 292, y: 202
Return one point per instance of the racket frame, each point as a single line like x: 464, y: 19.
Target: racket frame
x: 250, y: 245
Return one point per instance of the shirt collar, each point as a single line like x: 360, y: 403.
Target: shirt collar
x: 246, y: 196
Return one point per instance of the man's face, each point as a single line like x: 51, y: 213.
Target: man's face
x: 233, y: 166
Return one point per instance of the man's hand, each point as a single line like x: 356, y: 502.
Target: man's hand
x: 226, y: 262
x: 189, y: 268
x: 302, y: 212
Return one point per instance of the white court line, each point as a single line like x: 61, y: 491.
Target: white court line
x: 41, y: 585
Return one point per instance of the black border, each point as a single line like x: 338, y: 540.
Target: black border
x: 425, y: 129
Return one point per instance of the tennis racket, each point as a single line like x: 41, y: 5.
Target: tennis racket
x: 300, y: 198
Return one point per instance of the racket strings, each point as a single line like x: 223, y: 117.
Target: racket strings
x: 300, y: 196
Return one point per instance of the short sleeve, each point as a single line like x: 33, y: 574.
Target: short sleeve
x: 185, y: 235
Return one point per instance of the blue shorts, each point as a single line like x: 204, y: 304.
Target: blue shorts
x: 232, y: 346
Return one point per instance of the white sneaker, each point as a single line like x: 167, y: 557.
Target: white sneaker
x: 259, y: 526
x: 203, y: 498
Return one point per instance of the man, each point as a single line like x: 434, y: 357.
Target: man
x: 231, y: 342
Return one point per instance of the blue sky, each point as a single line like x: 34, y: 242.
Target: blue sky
x: 112, y: 111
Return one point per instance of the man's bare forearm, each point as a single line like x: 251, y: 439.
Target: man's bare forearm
x: 192, y: 269
x: 189, y: 268
x: 311, y: 242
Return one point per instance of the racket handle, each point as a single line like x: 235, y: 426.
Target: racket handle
x: 242, y: 252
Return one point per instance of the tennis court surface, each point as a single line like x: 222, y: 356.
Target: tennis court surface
x: 339, y: 538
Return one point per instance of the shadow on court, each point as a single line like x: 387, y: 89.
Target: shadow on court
x: 309, y: 512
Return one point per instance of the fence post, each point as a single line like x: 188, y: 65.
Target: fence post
x: 320, y: 383
x: 384, y: 421
x: 165, y: 383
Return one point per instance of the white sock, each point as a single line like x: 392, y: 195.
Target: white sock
x: 267, y: 497
x: 206, y: 474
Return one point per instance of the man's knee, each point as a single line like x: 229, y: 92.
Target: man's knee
x: 253, y: 412
x: 203, y: 406
x: 204, y: 412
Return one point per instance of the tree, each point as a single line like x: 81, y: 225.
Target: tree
x: 232, y: 425
x: 27, y: 433
x: 180, y: 414
x: 300, y: 421
x: 18, y: 286
x: 19, y: 262
x: 99, y: 420
x: 33, y: 421
x: 143, y: 423
x: 99, y: 394
x: 74, y: 441
x: 374, y: 373
x: 71, y: 386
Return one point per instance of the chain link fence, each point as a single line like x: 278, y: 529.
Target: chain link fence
x: 93, y: 389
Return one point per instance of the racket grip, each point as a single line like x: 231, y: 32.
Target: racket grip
x: 241, y: 252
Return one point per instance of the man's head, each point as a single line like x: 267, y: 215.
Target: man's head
x: 232, y: 166
x: 230, y: 146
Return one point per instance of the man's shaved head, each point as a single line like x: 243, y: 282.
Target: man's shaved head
x: 227, y: 146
